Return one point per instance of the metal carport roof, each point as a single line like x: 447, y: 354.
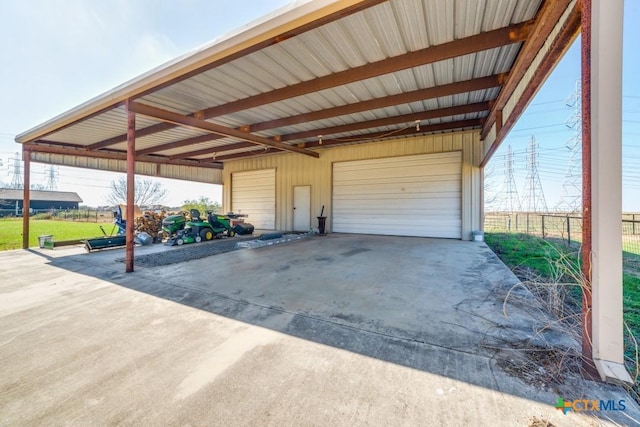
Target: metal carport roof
x: 316, y: 74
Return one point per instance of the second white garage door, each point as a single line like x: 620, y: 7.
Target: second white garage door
x: 254, y: 193
x: 399, y: 196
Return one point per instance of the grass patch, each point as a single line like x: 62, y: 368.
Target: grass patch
x: 11, y: 231
x: 529, y: 256
x: 523, y: 251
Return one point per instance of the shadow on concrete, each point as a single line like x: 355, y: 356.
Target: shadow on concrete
x: 433, y: 305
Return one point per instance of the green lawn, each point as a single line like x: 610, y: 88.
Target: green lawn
x: 11, y: 231
x: 525, y: 251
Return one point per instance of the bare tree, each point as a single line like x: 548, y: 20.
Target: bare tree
x: 491, y: 190
x: 146, y: 192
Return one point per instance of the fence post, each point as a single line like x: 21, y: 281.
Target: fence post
x: 543, y: 234
x: 527, y: 222
x: 516, y: 215
x: 569, y: 230
x: 634, y: 223
x: 509, y: 223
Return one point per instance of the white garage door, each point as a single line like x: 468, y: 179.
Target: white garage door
x: 399, y: 196
x: 254, y: 193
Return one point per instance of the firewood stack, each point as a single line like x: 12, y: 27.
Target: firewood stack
x: 151, y: 223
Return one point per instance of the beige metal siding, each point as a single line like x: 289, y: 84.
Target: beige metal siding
x: 294, y: 169
x: 254, y: 193
x: 416, y: 195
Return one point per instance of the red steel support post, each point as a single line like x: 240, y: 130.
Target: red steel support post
x: 26, y: 199
x: 131, y: 173
x: 587, y: 350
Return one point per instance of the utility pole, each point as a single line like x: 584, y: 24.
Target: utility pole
x: 511, y: 201
x: 572, y: 186
x: 52, y: 178
x: 535, y: 201
x: 16, y: 178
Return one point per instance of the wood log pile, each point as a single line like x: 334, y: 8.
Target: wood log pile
x: 151, y: 223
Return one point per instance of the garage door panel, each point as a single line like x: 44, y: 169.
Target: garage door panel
x: 254, y: 193
x: 440, y: 187
x: 349, y: 204
x: 406, y: 196
x: 395, y: 174
x: 398, y: 162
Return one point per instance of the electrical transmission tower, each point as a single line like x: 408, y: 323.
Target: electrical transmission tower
x: 16, y: 178
x: 511, y: 202
x: 572, y: 186
x: 534, y: 195
x: 52, y: 178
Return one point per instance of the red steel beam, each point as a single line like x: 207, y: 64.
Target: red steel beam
x: 479, y: 42
x: 588, y: 365
x: 418, y: 95
x: 402, y: 98
x: 410, y: 131
x: 131, y: 176
x: 179, y: 119
x: 544, y: 22
x: 560, y: 45
x: 387, y: 121
x: 114, y: 155
x: 26, y: 199
x: 488, y: 40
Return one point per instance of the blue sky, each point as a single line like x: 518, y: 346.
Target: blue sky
x: 60, y: 53
x: 547, y: 117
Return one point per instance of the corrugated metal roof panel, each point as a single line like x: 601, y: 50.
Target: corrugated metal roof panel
x: 386, y: 30
x: 94, y: 129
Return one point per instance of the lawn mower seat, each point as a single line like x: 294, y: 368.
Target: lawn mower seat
x: 213, y: 220
x: 195, y: 215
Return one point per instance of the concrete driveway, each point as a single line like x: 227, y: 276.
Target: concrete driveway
x: 335, y: 330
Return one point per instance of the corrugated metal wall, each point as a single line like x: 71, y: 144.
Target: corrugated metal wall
x: 296, y: 169
x: 186, y: 173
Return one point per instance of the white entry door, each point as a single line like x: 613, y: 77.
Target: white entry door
x: 301, y: 208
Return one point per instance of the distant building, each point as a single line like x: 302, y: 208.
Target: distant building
x: 39, y: 200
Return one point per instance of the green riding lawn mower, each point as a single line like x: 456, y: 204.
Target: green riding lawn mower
x: 179, y: 231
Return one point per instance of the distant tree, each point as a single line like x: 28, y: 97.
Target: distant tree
x: 146, y: 192
x: 491, y: 189
x: 38, y: 187
x: 203, y: 204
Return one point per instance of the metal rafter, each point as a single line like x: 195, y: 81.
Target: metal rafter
x: 116, y: 155
x: 179, y: 119
x: 479, y: 42
x: 374, y: 136
x: 388, y: 101
x: 387, y: 121
x: 404, y: 98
